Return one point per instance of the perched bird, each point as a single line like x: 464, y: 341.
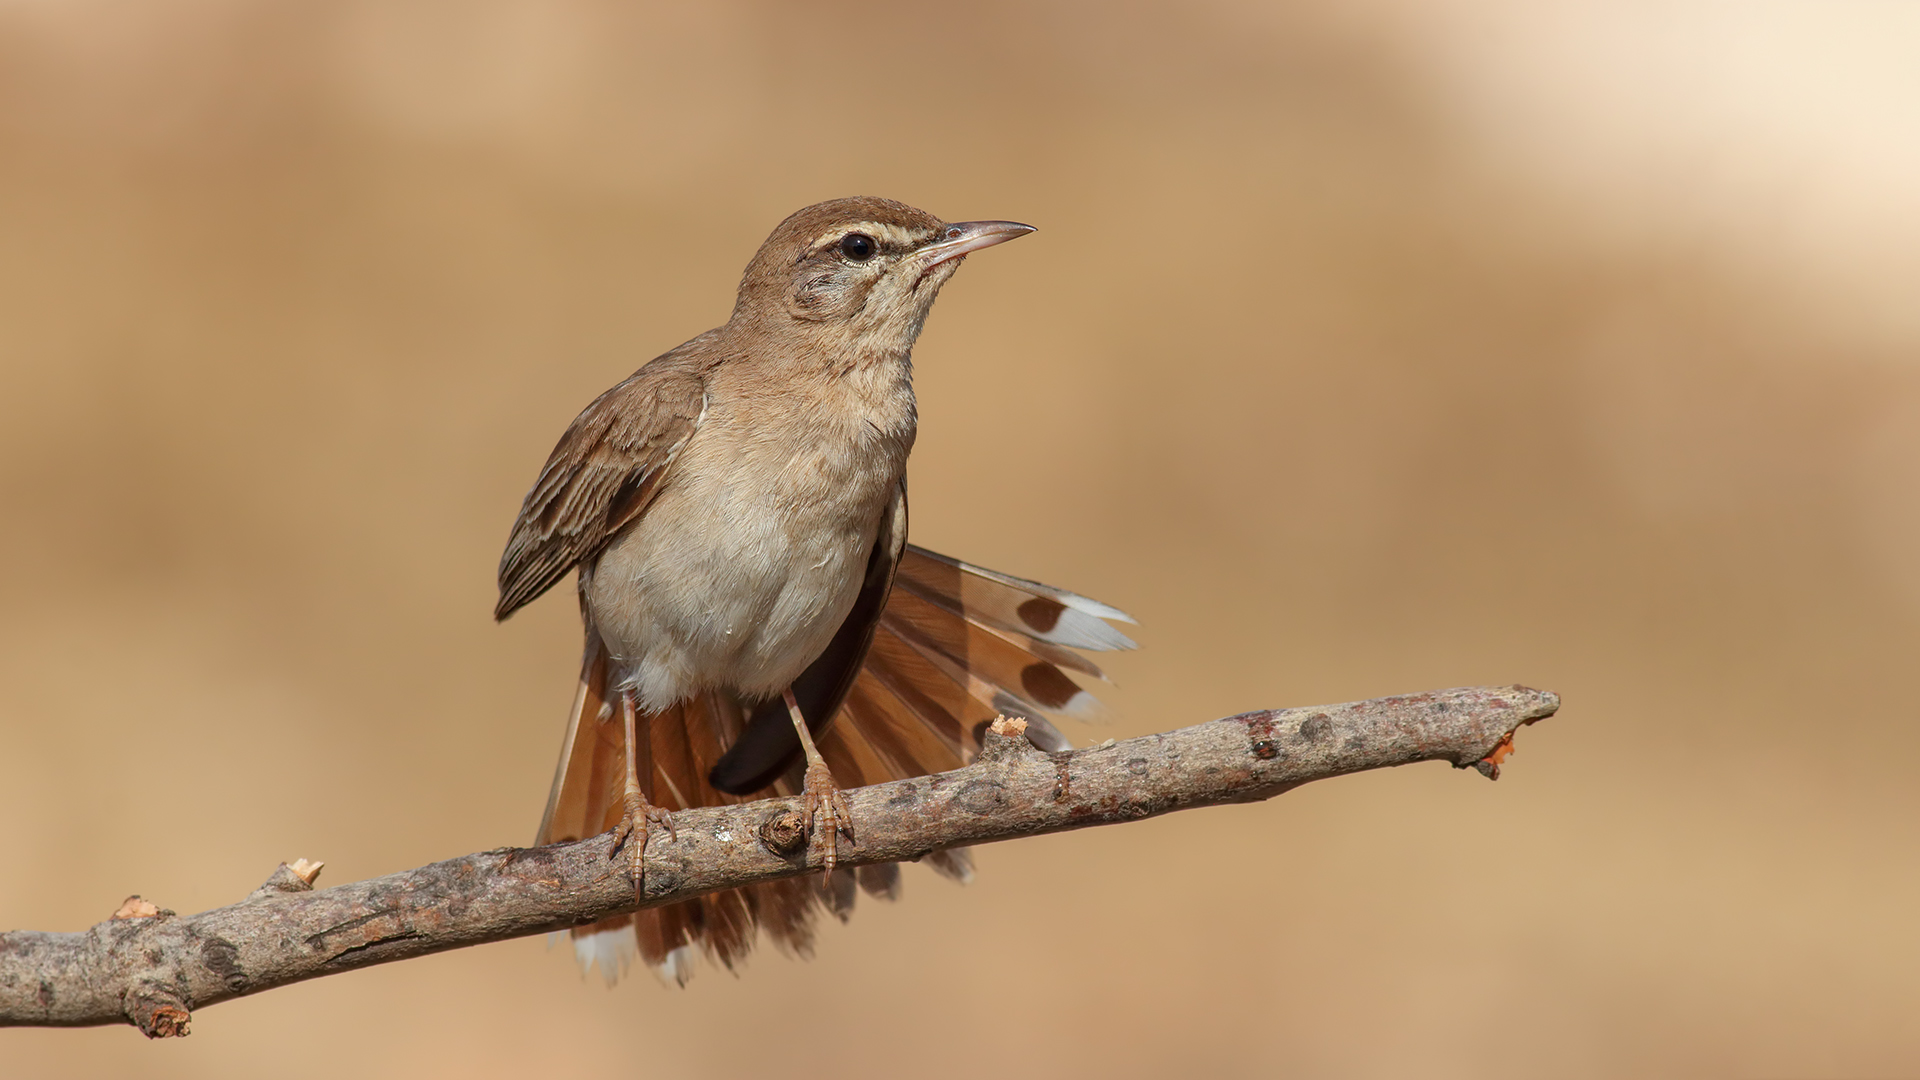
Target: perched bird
x: 756, y: 622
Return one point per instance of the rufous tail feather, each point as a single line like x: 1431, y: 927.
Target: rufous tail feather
x: 956, y: 646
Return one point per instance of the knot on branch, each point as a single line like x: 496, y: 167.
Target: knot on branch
x: 156, y: 1009
x: 785, y: 833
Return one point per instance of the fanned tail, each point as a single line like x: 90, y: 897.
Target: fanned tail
x: 955, y: 646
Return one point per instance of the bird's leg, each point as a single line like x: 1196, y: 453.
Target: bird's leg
x: 640, y: 814
x: 821, y: 796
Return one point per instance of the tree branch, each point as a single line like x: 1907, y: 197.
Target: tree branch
x: 150, y: 967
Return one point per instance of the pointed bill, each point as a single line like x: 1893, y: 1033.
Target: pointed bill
x: 962, y: 237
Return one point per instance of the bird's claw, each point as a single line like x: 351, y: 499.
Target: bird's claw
x: 636, y: 825
x: 822, y: 800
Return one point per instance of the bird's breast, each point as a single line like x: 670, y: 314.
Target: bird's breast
x: 748, y: 561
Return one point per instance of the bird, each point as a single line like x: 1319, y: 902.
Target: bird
x: 735, y: 513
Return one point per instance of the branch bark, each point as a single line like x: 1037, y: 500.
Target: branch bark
x: 149, y: 967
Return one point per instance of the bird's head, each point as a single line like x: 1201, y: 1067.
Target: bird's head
x: 861, y: 273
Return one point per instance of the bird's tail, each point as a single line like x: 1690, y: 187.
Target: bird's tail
x: 956, y: 646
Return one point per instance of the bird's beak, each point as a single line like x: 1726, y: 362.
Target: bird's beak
x: 962, y: 237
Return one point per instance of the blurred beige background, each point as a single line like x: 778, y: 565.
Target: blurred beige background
x: 1365, y: 348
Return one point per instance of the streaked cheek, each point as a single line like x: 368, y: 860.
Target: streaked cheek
x: 814, y: 297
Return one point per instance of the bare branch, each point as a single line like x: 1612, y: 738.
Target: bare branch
x: 149, y: 967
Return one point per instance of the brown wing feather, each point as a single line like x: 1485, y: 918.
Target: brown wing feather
x: 603, y: 473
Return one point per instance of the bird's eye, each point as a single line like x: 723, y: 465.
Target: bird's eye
x: 857, y: 246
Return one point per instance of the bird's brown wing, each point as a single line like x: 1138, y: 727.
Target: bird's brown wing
x: 602, y: 475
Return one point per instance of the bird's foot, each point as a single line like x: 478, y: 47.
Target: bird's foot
x: 635, y: 826
x: 822, y: 801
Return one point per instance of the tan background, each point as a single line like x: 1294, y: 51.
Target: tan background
x: 1364, y: 349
